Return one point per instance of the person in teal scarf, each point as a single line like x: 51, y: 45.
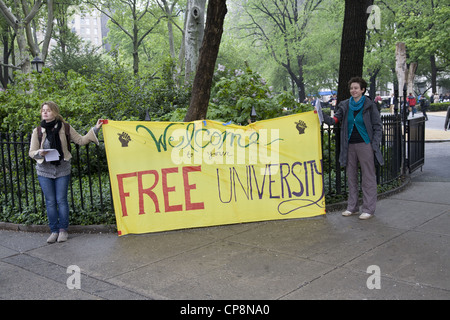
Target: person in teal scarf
x: 361, y: 132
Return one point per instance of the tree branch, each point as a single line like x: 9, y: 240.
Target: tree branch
x: 33, y: 12
x: 9, y: 16
x: 110, y: 17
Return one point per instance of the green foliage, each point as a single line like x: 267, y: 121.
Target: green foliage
x: 235, y: 92
x: 92, y: 211
x: 27, y: 215
x: 21, y: 103
x: 443, y: 106
x: 72, y: 53
x: 82, y: 100
x: 425, y: 29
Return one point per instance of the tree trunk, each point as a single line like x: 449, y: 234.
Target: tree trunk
x: 168, y: 10
x: 25, y: 62
x: 4, y: 69
x: 170, y: 32
x: 410, y: 77
x: 193, y: 35
x: 405, y: 72
x: 8, y: 51
x: 400, y: 65
x: 297, y: 80
x: 353, y: 44
x: 373, y: 82
x: 20, y: 25
x: 181, y: 54
x: 135, y: 49
x: 433, y: 74
x: 48, y: 30
x: 217, y: 9
x: 300, y: 83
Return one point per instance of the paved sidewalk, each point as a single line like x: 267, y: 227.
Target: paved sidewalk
x: 433, y: 133
x: 319, y: 258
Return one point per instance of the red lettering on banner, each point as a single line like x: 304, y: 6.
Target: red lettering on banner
x: 122, y: 193
x: 147, y: 191
x: 166, y: 189
x: 188, y: 187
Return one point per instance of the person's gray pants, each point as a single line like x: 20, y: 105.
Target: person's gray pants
x: 363, y: 153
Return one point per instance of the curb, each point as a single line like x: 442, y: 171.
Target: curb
x: 436, y: 141
x: 44, y: 228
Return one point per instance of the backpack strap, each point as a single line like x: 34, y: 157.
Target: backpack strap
x: 67, y: 132
x: 39, y: 132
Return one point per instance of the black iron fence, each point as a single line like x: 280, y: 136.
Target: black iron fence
x: 90, y: 188
x: 415, y: 143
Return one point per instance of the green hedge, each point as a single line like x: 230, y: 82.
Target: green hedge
x: 442, y: 106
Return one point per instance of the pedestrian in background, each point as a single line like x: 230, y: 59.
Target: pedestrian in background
x: 332, y: 103
x: 447, y: 119
x: 424, y: 105
x: 392, y: 103
x: 361, y: 132
x: 436, y: 98
x: 412, y: 103
x: 54, y: 174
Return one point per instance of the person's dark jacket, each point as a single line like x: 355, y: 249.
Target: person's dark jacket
x: 447, y: 118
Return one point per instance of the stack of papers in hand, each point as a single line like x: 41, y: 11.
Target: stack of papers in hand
x: 51, y: 155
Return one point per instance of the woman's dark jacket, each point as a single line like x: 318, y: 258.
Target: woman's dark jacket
x: 372, y: 121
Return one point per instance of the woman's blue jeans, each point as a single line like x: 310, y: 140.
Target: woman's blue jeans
x: 55, y: 193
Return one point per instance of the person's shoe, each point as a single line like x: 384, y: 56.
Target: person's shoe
x: 63, y: 235
x: 365, y: 216
x: 347, y: 213
x: 53, y: 237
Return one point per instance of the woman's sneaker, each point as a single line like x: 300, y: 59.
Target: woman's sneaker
x: 347, y: 213
x: 53, y: 237
x: 63, y: 235
x: 365, y: 216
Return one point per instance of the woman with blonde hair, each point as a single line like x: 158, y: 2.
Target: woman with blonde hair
x: 54, y: 174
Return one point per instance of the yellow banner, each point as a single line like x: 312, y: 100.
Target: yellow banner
x: 175, y: 175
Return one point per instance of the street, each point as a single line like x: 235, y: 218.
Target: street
x: 436, y: 163
x: 435, y: 120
